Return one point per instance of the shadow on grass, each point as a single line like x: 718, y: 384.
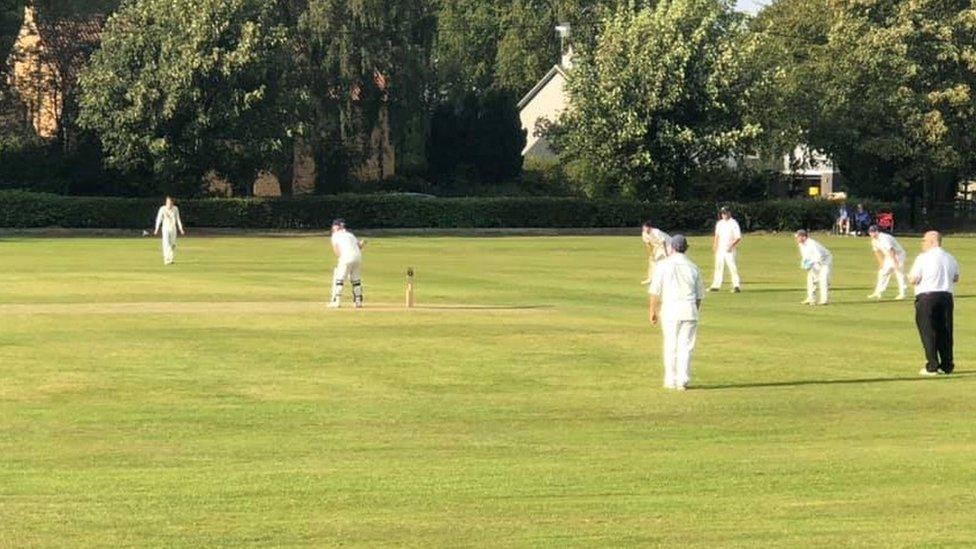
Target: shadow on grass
x: 802, y: 382
x: 795, y: 289
x: 888, y: 301
x: 481, y: 307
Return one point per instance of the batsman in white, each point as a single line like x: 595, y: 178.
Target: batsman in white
x: 817, y: 261
x: 348, y: 250
x: 725, y: 244
x: 168, y: 218
x: 677, y: 288
x: 658, y: 245
x: 891, y: 259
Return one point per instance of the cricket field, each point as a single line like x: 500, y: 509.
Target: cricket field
x: 217, y: 402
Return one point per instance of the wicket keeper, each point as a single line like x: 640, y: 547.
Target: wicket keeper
x: 817, y: 261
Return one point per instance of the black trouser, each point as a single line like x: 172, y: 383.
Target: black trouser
x: 933, y: 316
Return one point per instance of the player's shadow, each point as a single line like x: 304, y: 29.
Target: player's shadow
x: 802, y: 382
x: 481, y: 307
x: 793, y: 289
x: 889, y: 301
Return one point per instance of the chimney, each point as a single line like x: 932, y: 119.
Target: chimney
x: 566, y: 49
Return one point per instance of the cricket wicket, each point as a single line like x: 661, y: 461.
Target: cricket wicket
x: 410, y: 301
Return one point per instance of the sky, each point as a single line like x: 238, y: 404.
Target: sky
x: 751, y: 6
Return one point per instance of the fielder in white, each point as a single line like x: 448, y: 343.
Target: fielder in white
x: 658, y: 245
x: 677, y: 288
x: 725, y: 244
x: 891, y: 259
x: 348, y: 250
x: 817, y: 261
x: 168, y: 218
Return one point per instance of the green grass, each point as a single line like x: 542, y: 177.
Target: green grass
x: 249, y: 416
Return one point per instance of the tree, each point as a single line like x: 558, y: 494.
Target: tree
x: 479, y: 135
x: 11, y: 19
x: 185, y: 86
x: 661, y: 96
x: 361, y: 58
x: 886, y: 88
x: 466, y: 46
x: 529, y: 45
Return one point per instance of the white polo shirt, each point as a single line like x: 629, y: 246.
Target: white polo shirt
x: 884, y: 243
x: 677, y: 282
x: 937, y: 271
x: 660, y: 243
x: 348, y: 246
x: 727, y: 231
x: 815, y: 252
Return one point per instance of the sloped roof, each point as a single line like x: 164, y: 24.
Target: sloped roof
x: 556, y: 69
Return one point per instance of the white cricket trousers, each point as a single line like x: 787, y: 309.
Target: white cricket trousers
x: 723, y: 259
x: 679, y: 343
x: 818, y: 277
x: 347, y: 269
x: 884, y: 275
x: 169, y: 246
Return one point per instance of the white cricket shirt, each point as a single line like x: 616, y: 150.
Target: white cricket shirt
x: 727, y: 231
x: 937, y: 270
x: 167, y: 218
x: 678, y: 284
x: 348, y: 246
x: 884, y: 243
x: 815, y: 252
x: 660, y: 243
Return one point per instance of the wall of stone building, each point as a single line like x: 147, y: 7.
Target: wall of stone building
x: 32, y: 78
x: 267, y: 185
x: 303, y: 180
x: 380, y: 162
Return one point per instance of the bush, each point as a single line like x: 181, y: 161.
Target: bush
x: 26, y: 209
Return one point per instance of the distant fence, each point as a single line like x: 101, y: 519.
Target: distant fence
x: 959, y: 215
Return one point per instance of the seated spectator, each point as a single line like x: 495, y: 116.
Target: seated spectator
x: 862, y: 220
x: 843, y: 220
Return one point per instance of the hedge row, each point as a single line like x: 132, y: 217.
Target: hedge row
x: 24, y: 209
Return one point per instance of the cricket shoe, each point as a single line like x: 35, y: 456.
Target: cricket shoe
x: 822, y: 303
x: 645, y: 282
x: 713, y: 289
x: 900, y: 297
x: 736, y: 290
x: 924, y: 372
x: 875, y: 296
x: 333, y: 305
x: 806, y: 302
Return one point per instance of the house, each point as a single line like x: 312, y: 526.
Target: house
x: 812, y: 173
x: 375, y: 147
x: 50, y: 53
x: 46, y: 59
x: 546, y: 101
x: 811, y: 170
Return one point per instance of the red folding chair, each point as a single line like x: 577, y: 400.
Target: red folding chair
x: 886, y: 221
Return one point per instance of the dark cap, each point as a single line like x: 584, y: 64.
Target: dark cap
x: 873, y: 229
x: 801, y: 232
x: 679, y: 243
x: 339, y: 221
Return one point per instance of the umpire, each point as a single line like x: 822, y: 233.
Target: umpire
x: 934, y: 275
